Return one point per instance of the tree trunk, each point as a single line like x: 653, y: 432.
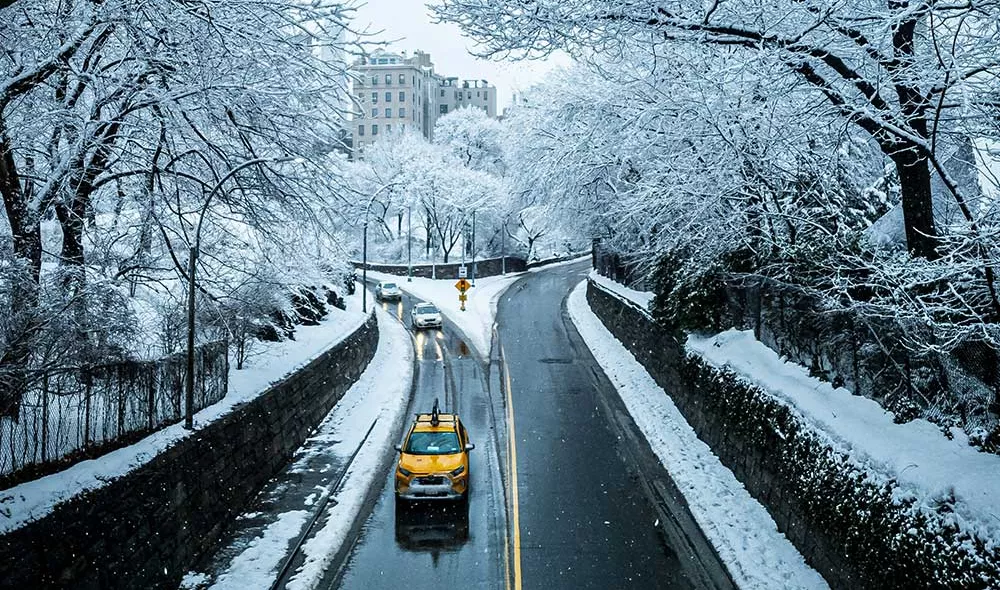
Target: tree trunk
x: 914, y: 172
x: 24, y: 223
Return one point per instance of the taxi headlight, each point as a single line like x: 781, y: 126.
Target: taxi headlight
x: 404, y: 472
x: 459, y: 471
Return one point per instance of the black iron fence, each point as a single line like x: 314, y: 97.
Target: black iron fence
x: 73, y: 413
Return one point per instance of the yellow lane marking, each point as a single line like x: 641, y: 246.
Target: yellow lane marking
x: 513, y: 474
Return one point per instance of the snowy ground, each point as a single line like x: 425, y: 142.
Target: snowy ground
x: 476, y: 322
x: 271, y: 362
x: 744, y: 534
x: 380, y: 395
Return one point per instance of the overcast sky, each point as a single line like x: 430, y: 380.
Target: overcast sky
x: 408, y: 24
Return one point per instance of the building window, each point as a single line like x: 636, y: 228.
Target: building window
x: 461, y: 95
x: 374, y: 111
x: 383, y: 60
x: 374, y: 80
x: 388, y: 79
x: 402, y: 97
x: 388, y: 113
x: 442, y: 93
x: 470, y: 95
x: 361, y: 130
x: 486, y: 94
x: 388, y: 97
x: 388, y: 128
x: 402, y: 113
x: 374, y: 129
x: 477, y: 94
x: 444, y: 109
x: 402, y: 79
x: 374, y: 97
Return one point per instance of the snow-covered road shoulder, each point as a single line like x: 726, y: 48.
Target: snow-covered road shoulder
x: 757, y: 555
x: 382, y: 393
x: 380, y: 396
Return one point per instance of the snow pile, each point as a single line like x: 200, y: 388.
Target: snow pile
x: 257, y: 565
x: 744, y: 534
x: 476, y: 322
x: 927, y: 466
x: 35, y: 499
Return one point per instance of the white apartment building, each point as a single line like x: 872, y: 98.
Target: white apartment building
x: 395, y: 92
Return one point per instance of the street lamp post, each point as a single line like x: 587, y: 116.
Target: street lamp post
x: 364, y: 248
x: 364, y: 266
x: 503, y: 249
x: 193, y: 252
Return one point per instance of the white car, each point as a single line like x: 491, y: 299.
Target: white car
x: 388, y: 290
x: 425, y: 315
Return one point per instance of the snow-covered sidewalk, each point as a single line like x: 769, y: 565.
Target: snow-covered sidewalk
x: 757, y: 555
x: 476, y: 322
x: 380, y: 396
x: 271, y: 362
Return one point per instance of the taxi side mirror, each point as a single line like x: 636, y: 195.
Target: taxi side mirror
x: 469, y: 446
x: 399, y: 448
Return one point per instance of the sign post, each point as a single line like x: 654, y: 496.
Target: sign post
x: 462, y: 285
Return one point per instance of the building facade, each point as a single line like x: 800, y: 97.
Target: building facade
x: 396, y: 92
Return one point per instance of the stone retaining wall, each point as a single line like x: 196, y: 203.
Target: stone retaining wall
x: 147, y: 528
x: 858, y: 530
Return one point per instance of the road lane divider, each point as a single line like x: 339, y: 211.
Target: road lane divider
x: 512, y: 472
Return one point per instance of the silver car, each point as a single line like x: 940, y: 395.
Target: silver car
x: 425, y: 315
x: 387, y: 290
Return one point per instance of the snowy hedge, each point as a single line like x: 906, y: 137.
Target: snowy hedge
x: 884, y: 538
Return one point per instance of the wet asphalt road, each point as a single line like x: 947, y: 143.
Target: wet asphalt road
x: 583, y: 520
x: 441, y: 544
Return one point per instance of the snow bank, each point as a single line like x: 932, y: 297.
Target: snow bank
x: 757, y: 555
x: 917, y: 455
x: 641, y: 298
x: 476, y: 322
x: 382, y: 393
x: 35, y: 499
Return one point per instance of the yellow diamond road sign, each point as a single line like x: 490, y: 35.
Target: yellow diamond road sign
x: 462, y: 285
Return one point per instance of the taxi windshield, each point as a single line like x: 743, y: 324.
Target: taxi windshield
x: 388, y: 285
x: 432, y: 443
x: 426, y: 309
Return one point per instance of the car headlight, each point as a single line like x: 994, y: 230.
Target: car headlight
x: 404, y: 472
x: 459, y: 471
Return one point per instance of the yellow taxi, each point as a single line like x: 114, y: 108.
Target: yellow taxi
x: 434, y: 459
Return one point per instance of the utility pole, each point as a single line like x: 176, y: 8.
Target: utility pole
x: 409, y: 244
x: 473, y: 247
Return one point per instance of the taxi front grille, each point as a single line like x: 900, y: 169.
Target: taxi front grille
x: 432, y: 480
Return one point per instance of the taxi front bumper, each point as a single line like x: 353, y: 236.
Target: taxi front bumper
x: 430, y: 488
